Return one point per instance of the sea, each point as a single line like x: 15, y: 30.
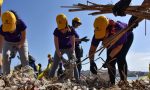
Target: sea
x: 128, y: 78
x: 132, y: 78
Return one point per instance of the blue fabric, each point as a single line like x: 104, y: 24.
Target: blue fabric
x: 76, y: 36
x: 15, y: 36
x: 120, y: 26
x: 95, y: 42
x: 64, y: 38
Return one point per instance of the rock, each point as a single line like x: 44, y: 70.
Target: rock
x: 2, y: 83
x: 1, y: 88
x: 14, y: 87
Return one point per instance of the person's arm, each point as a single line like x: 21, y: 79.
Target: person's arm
x: 1, y: 46
x: 23, y: 38
x: 73, y: 42
x: 57, y: 46
x: 92, y: 52
x: 77, y: 40
x: 120, y: 7
x: 93, y: 66
x: 93, y: 47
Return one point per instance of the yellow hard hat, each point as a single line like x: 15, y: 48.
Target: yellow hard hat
x: 76, y: 19
x: 8, y: 22
x: 61, y: 20
x: 1, y: 2
x: 100, y: 25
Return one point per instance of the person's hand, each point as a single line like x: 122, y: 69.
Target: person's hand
x: 60, y: 71
x: 85, y: 39
x: 131, y: 20
x: 105, y: 65
x: 107, y: 62
x: 93, y: 67
x: 120, y: 7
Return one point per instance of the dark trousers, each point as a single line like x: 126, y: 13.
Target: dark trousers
x: 32, y: 64
x: 78, y: 56
x: 120, y: 60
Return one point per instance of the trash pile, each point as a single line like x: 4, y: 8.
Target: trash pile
x: 25, y: 79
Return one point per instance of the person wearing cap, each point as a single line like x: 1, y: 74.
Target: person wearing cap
x: 120, y: 7
x: 64, y: 40
x: 32, y: 62
x: 39, y: 68
x: 12, y: 39
x: 44, y: 73
x: 76, y: 22
x: 50, y: 60
x: 104, y: 28
x: 1, y: 2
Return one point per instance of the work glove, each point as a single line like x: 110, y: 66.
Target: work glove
x: 120, y: 7
x: 93, y: 67
x: 132, y: 19
x: 85, y: 39
x: 60, y: 71
x: 105, y: 65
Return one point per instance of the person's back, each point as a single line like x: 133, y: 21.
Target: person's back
x: 116, y: 51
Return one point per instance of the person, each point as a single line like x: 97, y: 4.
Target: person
x: 104, y: 28
x: 32, y: 62
x: 12, y: 39
x: 1, y: 2
x: 44, y: 73
x: 76, y: 22
x: 50, y: 60
x: 39, y: 68
x: 64, y: 40
x: 120, y: 7
x: 60, y: 71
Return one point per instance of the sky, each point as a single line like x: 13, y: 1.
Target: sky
x: 40, y: 18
